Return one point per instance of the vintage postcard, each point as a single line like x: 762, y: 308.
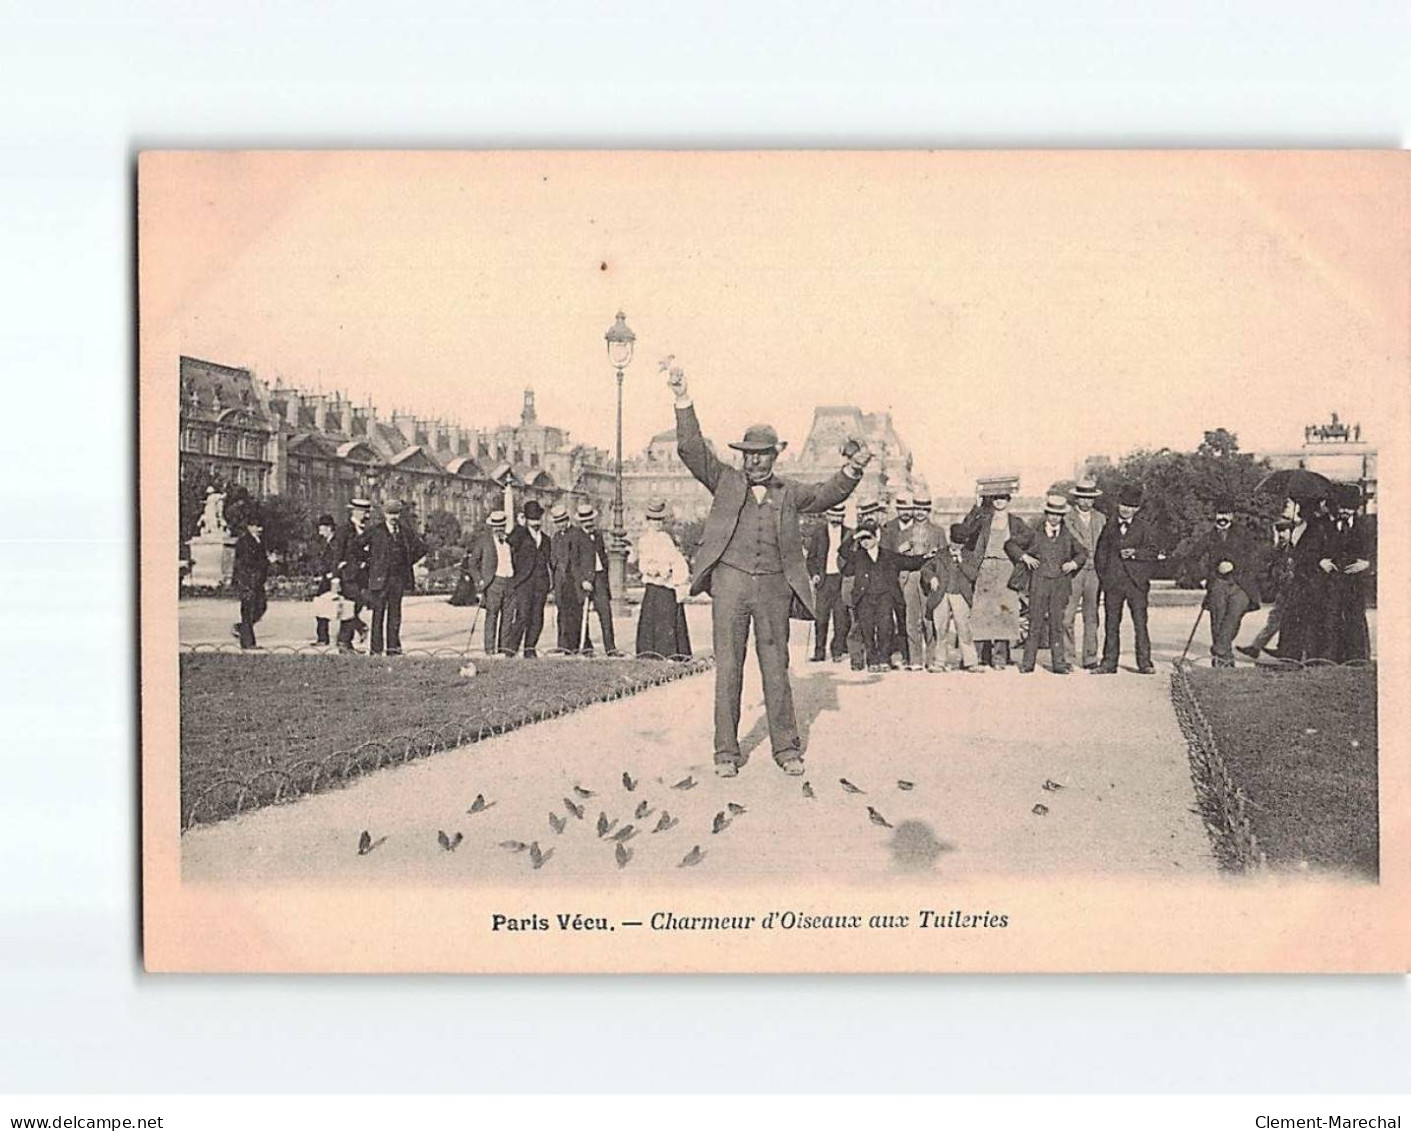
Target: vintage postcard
x: 774, y: 561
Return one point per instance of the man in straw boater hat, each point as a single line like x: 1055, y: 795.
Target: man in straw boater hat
x: 1229, y: 567
x: 913, y: 532
x: 1052, y: 556
x: 1126, y: 556
x: 751, y: 560
x: 1085, y: 523
x: 826, y: 573
x: 492, y: 562
x: 588, y: 539
x: 869, y: 511
x: 350, y: 550
x: 994, y: 614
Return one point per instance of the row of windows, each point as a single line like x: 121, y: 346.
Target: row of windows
x: 224, y: 443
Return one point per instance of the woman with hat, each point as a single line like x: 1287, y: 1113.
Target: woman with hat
x: 661, y: 624
x: 994, y: 616
x: 1052, y: 556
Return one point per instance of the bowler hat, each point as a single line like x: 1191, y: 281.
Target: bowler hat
x: 867, y: 526
x: 1055, y: 504
x: 656, y: 510
x: 532, y: 510
x: 1348, y: 496
x: 326, y: 520
x: 1130, y: 496
x: 760, y: 438
x: 1086, y: 488
x: 957, y: 534
x: 394, y: 507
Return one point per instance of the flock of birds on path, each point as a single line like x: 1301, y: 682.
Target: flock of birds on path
x: 612, y: 831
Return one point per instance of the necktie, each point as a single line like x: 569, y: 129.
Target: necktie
x: 1123, y: 527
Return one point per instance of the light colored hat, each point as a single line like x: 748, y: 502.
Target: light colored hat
x: 586, y: 511
x: 656, y: 510
x: 871, y: 507
x: 497, y: 518
x: 1086, y: 488
x: 559, y: 513
x: 360, y: 504
x: 922, y: 502
x: 760, y: 438
x: 1055, y: 504
x: 837, y: 512
x: 903, y: 501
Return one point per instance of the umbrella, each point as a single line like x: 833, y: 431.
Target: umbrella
x: 1296, y: 483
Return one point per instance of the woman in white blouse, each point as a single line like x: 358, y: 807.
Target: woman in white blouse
x: 661, y: 625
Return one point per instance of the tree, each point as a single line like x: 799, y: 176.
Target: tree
x: 1220, y: 443
x: 442, y: 536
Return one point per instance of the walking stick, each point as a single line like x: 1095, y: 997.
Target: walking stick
x: 1191, y: 637
x: 583, y: 643
x: 475, y: 621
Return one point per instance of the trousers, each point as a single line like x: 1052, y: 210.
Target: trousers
x: 1048, y: 598
x: 386, y: 618
x: 829, y: 606
x: 1113, y: 601
x: 602, y: 605
x: 955, y: 609
x: 1084, y: 597
x: 252, y: 608
x: 528, y: 622
x: 1227, y: 603
x: 920, y: 640
x: 877, y: 628
x: 739, y: 600
x: 499, y: 615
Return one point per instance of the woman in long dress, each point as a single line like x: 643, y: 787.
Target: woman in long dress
x: 661, y: 624
x: 994, y: 614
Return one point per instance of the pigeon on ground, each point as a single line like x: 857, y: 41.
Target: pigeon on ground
x: 584, y: 793
x: 808, y: 791
x: 514, y: 845
x: 876, y: 818
x: 906, y: 785
x: 629, y: 783
x: 479, y: 805
x: 1053, y: 786
x: 557, y: 823
x: 688, y: 782
x: 692, y: 858
x: 642, y: 811
x: 665, y: 822
x: 537, y: 857
x: 848, y: 786
x: 1039, y: 810
x: 624, y: 834
x: 604, y: 825
x: 623, y: 854
x: 735, y: 809
x: 366, y: 844
x: 720, y: 823
x: 576, y: 810
x: 450, y: 844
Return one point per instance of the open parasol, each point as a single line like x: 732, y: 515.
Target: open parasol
x: 1296, y: 483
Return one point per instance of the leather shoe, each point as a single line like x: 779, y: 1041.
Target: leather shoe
x: 792, y: 766
x: 727, y: 770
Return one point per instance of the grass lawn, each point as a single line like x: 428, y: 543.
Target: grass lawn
x: 260, y: 729
x: 1302, y: 745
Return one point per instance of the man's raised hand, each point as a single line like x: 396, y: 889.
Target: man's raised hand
x: 861, y: 454
x: 675, y: 376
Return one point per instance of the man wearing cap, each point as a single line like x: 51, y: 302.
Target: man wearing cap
x: 994, y: 615
x: 393, y: 547
x: 1229, y: 566
x: 751, y: 560
x: 875, y: 571
x: 1052, y: 556
x: 492, y: 562
x: 350, y: 548
x: 949, y: 582
x: 531, y: 549
x: 1085, y: 523
x: 250, y: 573
x: 1127, y: 552
x: 1349, y: 552
x: 871, y: 510
x: 826, y: 573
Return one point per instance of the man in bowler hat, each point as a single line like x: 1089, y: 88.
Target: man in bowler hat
x: 1229, y: 565
x: 1127, y: 553
x: 531, y: 549
x: 751, y: 560
x: 250, y: 574
x: 393, y: 547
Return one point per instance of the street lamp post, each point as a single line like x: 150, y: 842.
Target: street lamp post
x: 620, y: 342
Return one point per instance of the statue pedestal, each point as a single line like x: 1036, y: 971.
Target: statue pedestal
x: 212, y: 562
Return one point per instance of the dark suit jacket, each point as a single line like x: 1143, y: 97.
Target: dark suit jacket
x: 953, y: 576
x: 1051, y: 552
x: 976, y: 525
x: 1239, y: 550
x: 531, y: 563
x: 482, y: 558
x: 818, y: 549
x: 251, y: 564
x: 879, y: 580
x: 383, y: 572
x: 325, y: 562
x: 576, y: 552
x: 729, y: 486
x: 1350, y: 545
x: 350, y: 548
x: 1117, y: 572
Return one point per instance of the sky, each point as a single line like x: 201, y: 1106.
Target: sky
x: 1014, y: 311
